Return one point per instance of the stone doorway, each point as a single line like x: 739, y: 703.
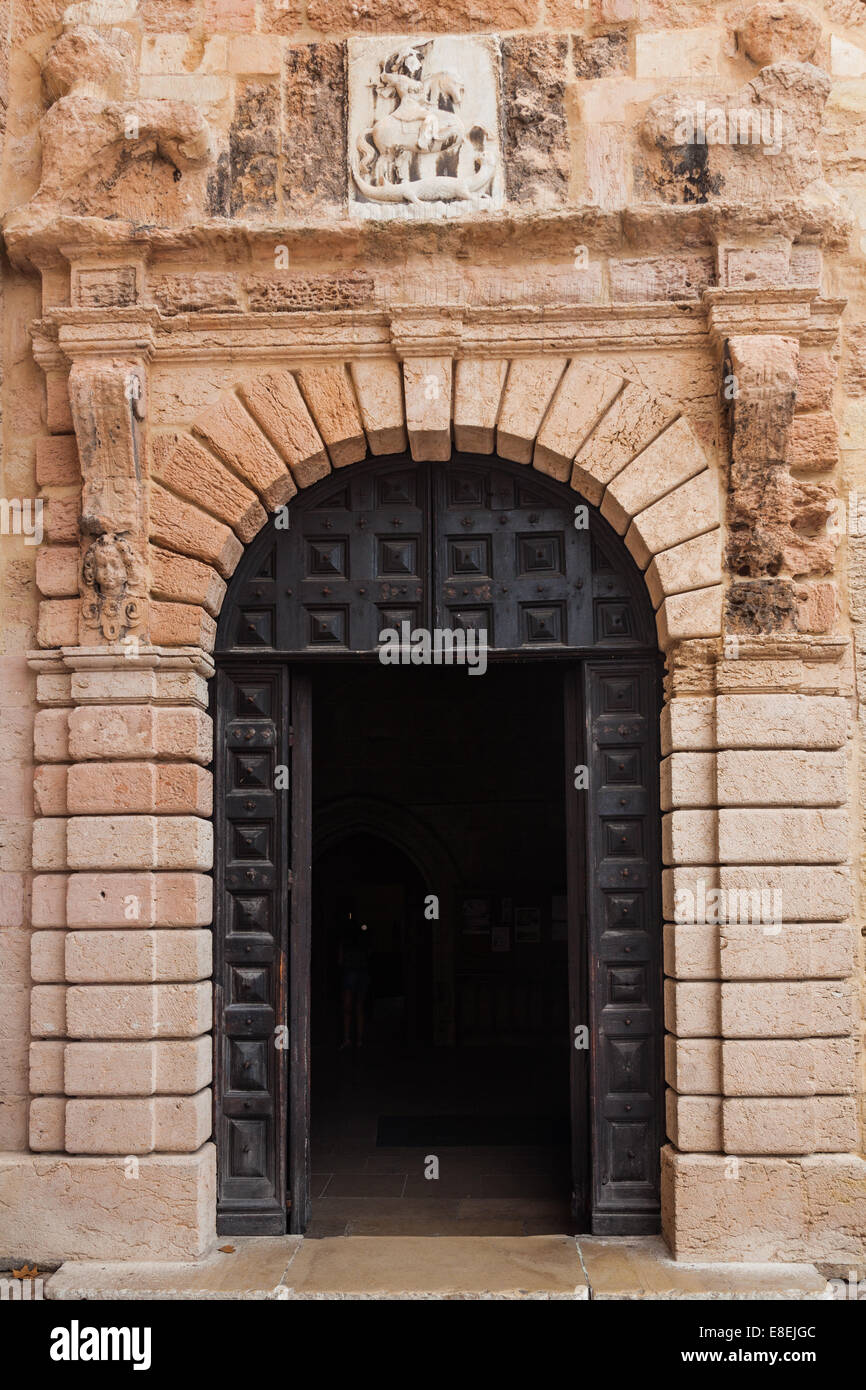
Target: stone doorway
x: 482, y: 549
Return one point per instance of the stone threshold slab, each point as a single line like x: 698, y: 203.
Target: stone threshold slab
x: 289, y: 1268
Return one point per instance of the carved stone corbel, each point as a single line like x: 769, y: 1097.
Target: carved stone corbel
x: 108, y: 407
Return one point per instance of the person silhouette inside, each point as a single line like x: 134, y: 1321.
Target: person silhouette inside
x: 353, y: 959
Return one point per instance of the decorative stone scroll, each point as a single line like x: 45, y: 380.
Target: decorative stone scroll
x: 424, y: 127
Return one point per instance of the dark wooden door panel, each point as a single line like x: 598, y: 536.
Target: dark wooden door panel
x: 620, y: 703
x: 253, y: 819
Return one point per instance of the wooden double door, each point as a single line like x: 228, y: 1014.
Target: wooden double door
x: 482, y: 544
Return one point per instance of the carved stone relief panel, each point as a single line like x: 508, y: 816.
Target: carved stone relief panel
x: 424, y: 127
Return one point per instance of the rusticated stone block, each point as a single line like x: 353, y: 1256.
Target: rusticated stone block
x: 809, y: 893
x: 793, y: 1009
x: 528, y: 392
x: 278, y: 407
x: 781, y: 778
x: 48, y: 1011
x: 49, y: 843
x: 137, y: 957
x: 827, y: 1124
x: 583, y: 396
x: 672, y: 458
x: 60, y: 519
x: 693, y: 1065
x: 47, y: 1115
x: 57, y: 570
x: 427, y: 387
x: 234, y: 435
x: 697, y: 613
x: 51, y: 736
x: 140, y: 731
x: 691, y: 950
x: 48, y: 900
x: 605, y: 55
x: 331, y: 402
x: 378, y: 386
x: 478, y: 387
x: 181, y: 625
x: 179, y: 526
x: 688, y: 780
x: 659, y: 278
x: 58, y: 416
x: 139, y: 842
x: 46, y: 1068
x: 694, y: 1123
x: 171, y: 1124
x: 781, y: 950
x: 781, y: 721
x: 816, y: 377
x: 813, y: 442
x: 773, y: 32
x: 785, y: 1067
x: 129, y: 1068
x: 684, y: 513
x: 182, y: 580
x: 782, y: 836
x: 58, y: 622
x: 811, y: 1208
x: 46, y: 957
x: 692, y: 1009
x: 630, y: 424
x: 59, y: 1210
x: 192, y: 472
x: 164, y: 788
x: 696, y: 564
x: 50, y: 790
x: 145, y: 899
x: 254, y: 142
x: 57, y: 461
x: 688, y: 723
x: 138, y: 1011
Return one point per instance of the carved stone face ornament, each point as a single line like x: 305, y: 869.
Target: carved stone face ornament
x: 108, y: 572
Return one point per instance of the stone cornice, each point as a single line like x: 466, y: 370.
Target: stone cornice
x: 506, y: 330
x: 35, y: 238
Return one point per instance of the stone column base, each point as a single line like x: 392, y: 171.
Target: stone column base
x: 61, y: 1207
x: 719, y: 1207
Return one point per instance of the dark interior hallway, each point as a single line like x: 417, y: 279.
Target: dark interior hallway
x: 443, y: 854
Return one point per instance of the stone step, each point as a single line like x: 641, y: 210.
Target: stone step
x: 430, y: 1267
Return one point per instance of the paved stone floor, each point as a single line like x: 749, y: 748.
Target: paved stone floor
x: 444, y: 1267
x: 360, y: 1188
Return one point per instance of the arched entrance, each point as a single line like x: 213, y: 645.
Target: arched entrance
x: 472, y: 545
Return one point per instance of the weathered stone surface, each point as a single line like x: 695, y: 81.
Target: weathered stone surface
x: 179, y: 526
x: 529, y: 389
x: 236, y: 438
x: 605, y: 55
x: 331, y: 402
x: 146, y: 899
x: 278, y: 407
x: 191, y: 472
x: 577, y: 411
x: 137, y: 1011
x: 314, y: 121
x: 686, y: 512
x: 671, y: 459
x: 427, y: 383
x: 795, y: 1009
x: 537, y: 153
x: 54, y: 1209
x: 777, y: 1067
x: 379, y: 390
x: 478, y: 388
x: 782, y: 30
